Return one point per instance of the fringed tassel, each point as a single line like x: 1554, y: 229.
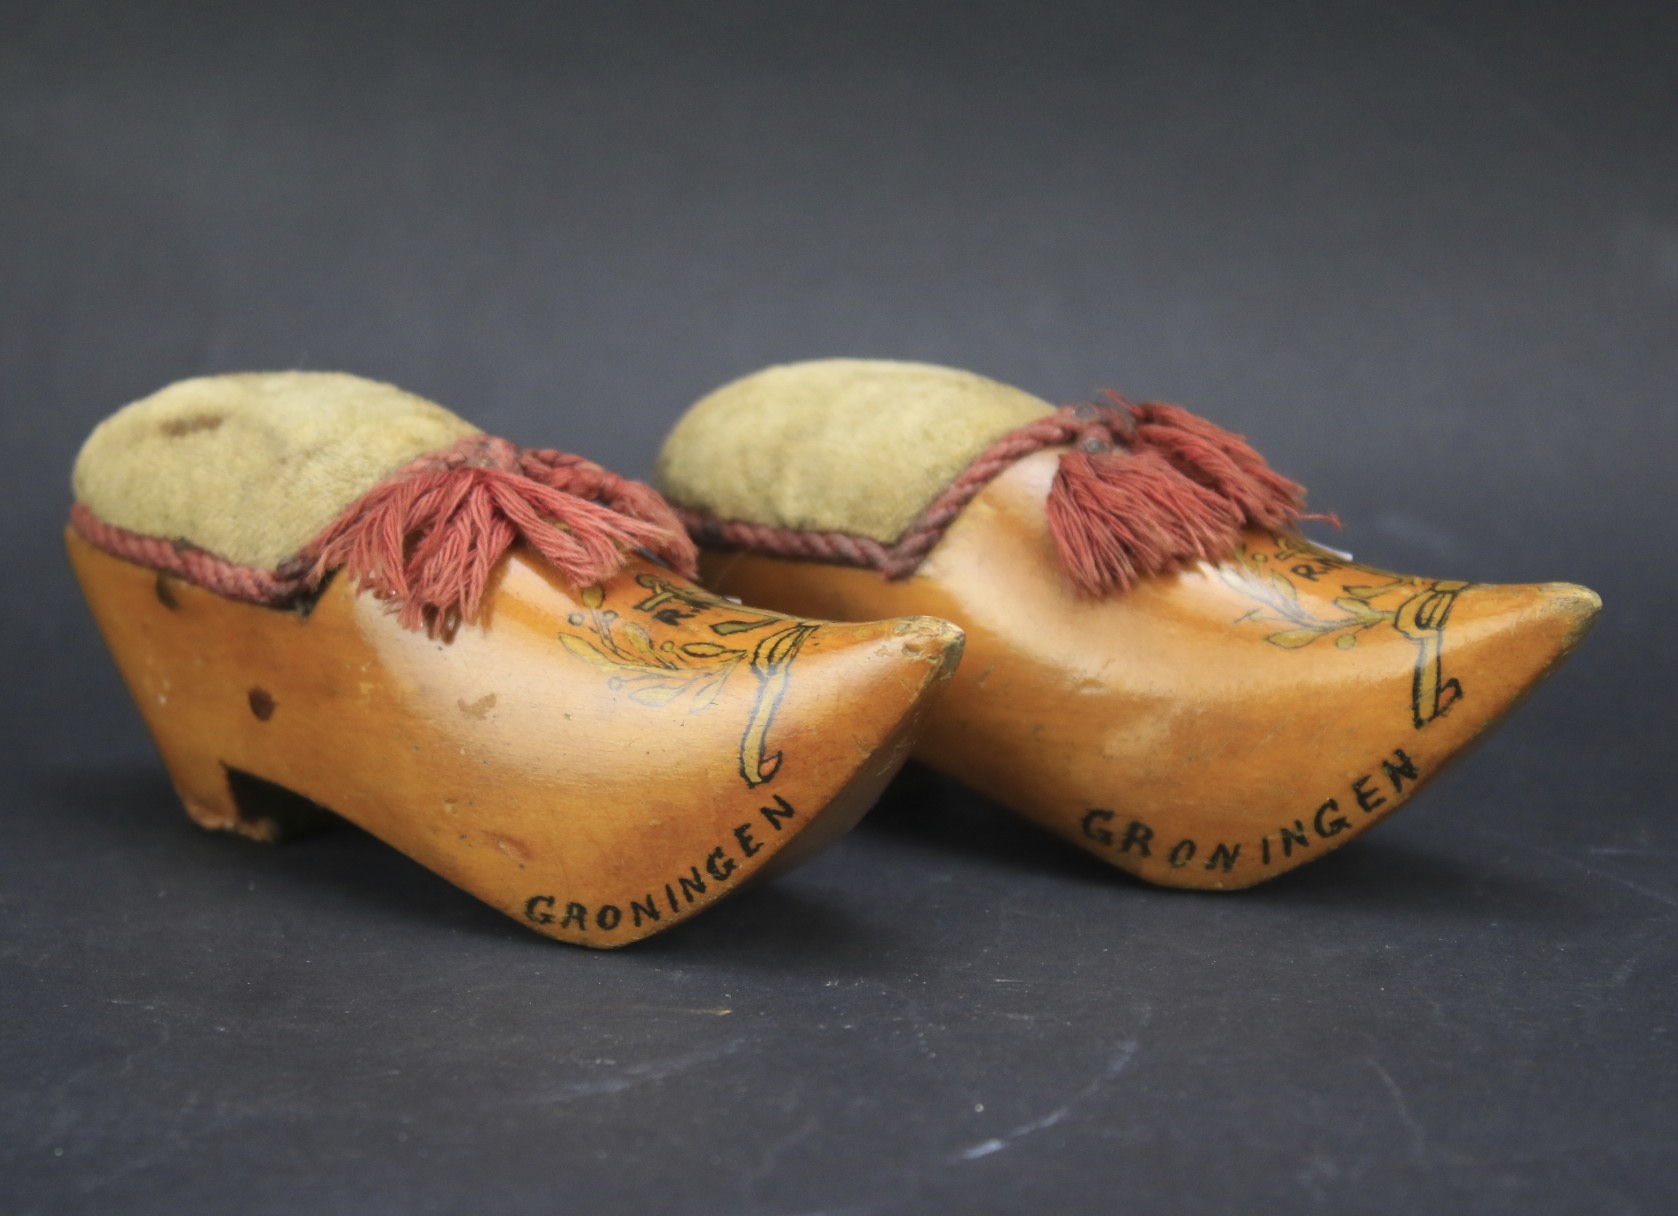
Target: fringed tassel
x: 1182, y: 492
x: 1218, y: 459
x: 1116, y: 516
x: 426, y: 538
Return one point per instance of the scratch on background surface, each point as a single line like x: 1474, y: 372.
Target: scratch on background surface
x: 1418, y: 1135
x: 636, y: 1074
x: 1593, y: 871
x: 1115, y: 1066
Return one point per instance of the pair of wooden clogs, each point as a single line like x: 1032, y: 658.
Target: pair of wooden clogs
x: 330, y: 596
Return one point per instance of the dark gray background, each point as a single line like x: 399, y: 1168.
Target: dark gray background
x: 1424, y: 253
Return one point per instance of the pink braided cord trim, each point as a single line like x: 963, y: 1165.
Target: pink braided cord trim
x: 271, y: 588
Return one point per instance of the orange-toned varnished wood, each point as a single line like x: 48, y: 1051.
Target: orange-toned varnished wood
x: 599, y: 764
x: 1211, y: 728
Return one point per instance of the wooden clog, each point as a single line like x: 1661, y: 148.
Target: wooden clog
x: 536, y: 703
x: 1158, y: 668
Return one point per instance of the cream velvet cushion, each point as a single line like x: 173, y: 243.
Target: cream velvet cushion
x: 252, y: 467
x: 837, y: 445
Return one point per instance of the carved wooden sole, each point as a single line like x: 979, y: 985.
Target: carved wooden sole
x: 600, y: 764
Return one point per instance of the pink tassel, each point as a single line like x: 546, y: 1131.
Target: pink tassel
x: 1116, y: 516
x: 426, y: 538
x: 1179, y: 490
x: 1218, y: 459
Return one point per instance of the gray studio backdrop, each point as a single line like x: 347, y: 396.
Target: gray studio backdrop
x: 1424, y: 254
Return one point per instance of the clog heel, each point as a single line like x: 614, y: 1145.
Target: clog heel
x: 332, y: 599
x: 1158, y: 668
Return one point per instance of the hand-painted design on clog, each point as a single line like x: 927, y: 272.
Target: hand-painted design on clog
x: 657, y: 673
x: 771, y: 658
x: 1270, y: 578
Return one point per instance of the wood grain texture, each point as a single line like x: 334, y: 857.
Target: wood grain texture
x: 1210, y: 728
x: 599, y: 763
